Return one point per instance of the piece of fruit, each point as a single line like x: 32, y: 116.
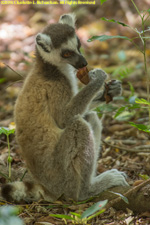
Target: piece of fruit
x: 107, y: 97
x: 83, y: 76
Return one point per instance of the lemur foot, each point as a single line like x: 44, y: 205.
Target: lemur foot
x: 114, y: 178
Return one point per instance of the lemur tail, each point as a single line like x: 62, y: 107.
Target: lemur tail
x: 22, y: 191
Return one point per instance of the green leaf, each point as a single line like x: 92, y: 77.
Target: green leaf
x: 133, y: 106
x: 131, y: 88
x: 4, y: 175
x: 11, y: 131
x: 119, y: 111
x: 2, y: 80
x: 122, y: 197
x: 6, y: 131
x: 96, y: 214
x: 114, y: 21
x: 125, y: 116
x: 102, y: 1
x: 62, y: 216
x: 144, y: 176
x: 128, y: 107
x: 79, y: 203
x: 107, y: 37
x: 142, y: 127
x: 105, y: 108
x: 75, y: 214
x: 123, y: 72
x: 97, y: 206
x: 142, y: 101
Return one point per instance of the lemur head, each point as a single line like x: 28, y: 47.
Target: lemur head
x: 59, y: 45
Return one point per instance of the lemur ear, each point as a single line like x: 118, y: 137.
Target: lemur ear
x: 69, y: 19
x: 44, y: 41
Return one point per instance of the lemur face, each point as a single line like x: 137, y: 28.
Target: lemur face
x: 59, y: 45
x: 70, y: 53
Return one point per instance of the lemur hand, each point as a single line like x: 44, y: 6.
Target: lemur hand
x: 112, y: 88
x: 97, y: 75
x: 115, y: 87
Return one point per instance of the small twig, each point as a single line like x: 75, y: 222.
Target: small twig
x: 142, y: 147
x: 130, y: 142
x: 13, y: 70
x: 4, y: 202
x: 45, y: 204
x: 28, y: 213
x: 127, y: 149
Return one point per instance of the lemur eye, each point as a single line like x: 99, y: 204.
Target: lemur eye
x: 67, y: 54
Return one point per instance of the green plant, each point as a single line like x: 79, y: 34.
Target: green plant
x: 7, y: 132
x: 87, y: 215
x: 2, y: 80
x: 8, y: 216
x: 145, y: 104
x: 122, y: 71
x: 144, y: 16
x: 144, y: 176
x: 93, y: 211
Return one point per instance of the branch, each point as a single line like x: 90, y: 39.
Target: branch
x: 136, y: 149
x: 138, y: 197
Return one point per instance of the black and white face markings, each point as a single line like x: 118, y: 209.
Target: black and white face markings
x: 67, y: 53
x: 71, y: 53
x: 59, y: 45
x: 43, y: 42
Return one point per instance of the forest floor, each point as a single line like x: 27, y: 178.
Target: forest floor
x: 124, y: 147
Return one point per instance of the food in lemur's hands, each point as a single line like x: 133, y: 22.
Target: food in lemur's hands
x: 83, y: 76
x: 58, y: 133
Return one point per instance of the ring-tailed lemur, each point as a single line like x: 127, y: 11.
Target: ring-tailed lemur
x: 57, y: 132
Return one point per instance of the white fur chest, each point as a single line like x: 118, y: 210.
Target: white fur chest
x: 70, y: 74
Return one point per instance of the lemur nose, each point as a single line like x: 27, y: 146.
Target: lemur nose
x: 85, y: 63
x: 82, y: 62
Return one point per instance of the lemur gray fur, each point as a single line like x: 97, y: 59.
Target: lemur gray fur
x: 56, y: 129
